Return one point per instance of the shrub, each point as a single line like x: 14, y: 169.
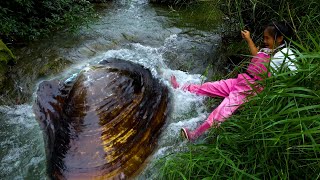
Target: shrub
x: 27, y: 19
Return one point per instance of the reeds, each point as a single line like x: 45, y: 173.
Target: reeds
x: 302, y: 15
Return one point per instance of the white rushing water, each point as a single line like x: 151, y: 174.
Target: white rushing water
x: 22, y: 138
x: 22, y: 144
x: 22, y: 155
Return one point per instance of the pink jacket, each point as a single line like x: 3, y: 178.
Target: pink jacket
x: 258, y: 65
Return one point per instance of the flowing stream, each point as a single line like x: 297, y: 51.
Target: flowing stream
x: 155, y: 37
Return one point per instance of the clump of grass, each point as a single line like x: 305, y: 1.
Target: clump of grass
x: 254, y: 15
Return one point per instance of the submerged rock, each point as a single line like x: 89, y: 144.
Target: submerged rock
x: 104, y: 123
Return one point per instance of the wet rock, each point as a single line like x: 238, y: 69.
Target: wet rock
x: 6, y: 55
x: 193, y: 51
x: 54, y: 66
x: 6, y: 58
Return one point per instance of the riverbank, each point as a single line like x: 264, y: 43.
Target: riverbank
x: 276, y: 134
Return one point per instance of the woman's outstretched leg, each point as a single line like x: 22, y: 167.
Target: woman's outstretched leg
x: 193, y: 135
x: 220, y: 88
x: 223, y: 111
x: 174, y: 82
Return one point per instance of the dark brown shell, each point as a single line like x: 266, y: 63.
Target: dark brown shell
x: 104, y: 124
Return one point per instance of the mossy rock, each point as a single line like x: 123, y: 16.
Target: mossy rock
x: 6, y: 55
x: 54, y: 66
x: 3, y: 70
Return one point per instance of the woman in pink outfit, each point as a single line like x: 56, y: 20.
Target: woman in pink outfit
x: 234, y: 91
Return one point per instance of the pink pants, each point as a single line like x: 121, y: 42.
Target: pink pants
x: 234, y: 91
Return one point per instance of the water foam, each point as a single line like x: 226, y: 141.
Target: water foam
x: 26, y: 149
x: 22, y: 148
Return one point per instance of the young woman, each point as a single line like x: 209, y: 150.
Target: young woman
x: 235, y: 90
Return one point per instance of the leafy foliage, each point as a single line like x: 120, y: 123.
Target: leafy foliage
x: 27, y: 19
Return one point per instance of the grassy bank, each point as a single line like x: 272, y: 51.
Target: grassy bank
x: 276, y: 135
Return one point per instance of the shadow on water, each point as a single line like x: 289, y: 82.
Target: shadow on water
x: 163, y: 40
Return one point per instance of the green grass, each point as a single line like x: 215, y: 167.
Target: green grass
x: 302, y: 15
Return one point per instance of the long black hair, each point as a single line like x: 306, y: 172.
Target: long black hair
x: 277, y: 29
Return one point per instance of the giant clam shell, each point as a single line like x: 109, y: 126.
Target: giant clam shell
x: 103, y: 124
